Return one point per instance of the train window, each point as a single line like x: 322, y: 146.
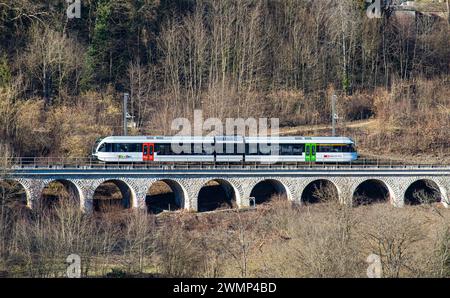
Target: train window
x: 134, y: 148
x: 219, y: 148
x: 332, y: 148
x: 262, y: 149
x: 208, y: 148
x: 197, y: 149
x: 240, y: 149
x: 109, y: 147
x: 286, y: 149
x: 162, y: 149
x: 298, y: 149
x: 159, y: 149
x: 251, y: 149
x: 186, y: 149
x: 102, y: 148
x: 229, y: 149
x: 168, y: 149
x: 122, y: 148
x: 350, y: 148
x: 265, y: 149
x: 125, y: 148
x: 294, y: 149
x: 178, y: 149
x: 222, y: 148
x: 275, y: 149
x: 235, y: 149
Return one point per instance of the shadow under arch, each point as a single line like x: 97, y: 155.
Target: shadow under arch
x: 423, y: 191
x: 60, y: 191
x: 165, y: 195
x: 264, y: 191
x: 14, y: 193
x: 113, y: 195
x: 217, y: 194
x: 320, y: 191
x: 372, y: 191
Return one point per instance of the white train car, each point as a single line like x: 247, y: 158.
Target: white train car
x: 154, y: 149
x: 230, y: 149
x: 300, y: 149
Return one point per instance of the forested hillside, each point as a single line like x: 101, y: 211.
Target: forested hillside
x: 61, y: 80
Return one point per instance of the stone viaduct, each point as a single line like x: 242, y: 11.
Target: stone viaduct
x: 239, y: 182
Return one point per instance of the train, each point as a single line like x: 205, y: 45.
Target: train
x: 224, y: 149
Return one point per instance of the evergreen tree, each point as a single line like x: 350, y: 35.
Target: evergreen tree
x: 98, y: 54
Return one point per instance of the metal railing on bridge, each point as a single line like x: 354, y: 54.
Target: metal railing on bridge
x: 90, y: 163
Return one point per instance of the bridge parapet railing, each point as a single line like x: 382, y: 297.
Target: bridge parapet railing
x: 89, y: 163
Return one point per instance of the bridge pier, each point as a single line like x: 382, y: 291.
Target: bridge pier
x: 33, y: 189
x: 444, y: 186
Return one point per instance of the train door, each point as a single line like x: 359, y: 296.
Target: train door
x: 311, y: 152
x: 148, y: 151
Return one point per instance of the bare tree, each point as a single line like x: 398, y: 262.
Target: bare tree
x: 391, y: 235
x: 442, y: 254
x: 52, y: 58
x: 241, y: 240
x: 142, y: 83
x: 177, y: 253
x: 139, y: 237
x: 9, y: 106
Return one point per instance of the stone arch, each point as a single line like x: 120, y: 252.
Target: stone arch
x: 423, y: 191
x: 217, y: 194
x: 264, y: 190
x: 320, y: 190
x: 15, y: 189
x: 105, y: 188
x: 371, y: 191
x: 48, y: 197
x: 179, y: 195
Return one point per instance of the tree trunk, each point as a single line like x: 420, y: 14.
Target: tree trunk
x: 448, y: 11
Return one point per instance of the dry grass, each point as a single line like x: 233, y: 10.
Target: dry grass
x: 277, y: 240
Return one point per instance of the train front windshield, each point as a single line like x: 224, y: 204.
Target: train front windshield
x: 94, y: 149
